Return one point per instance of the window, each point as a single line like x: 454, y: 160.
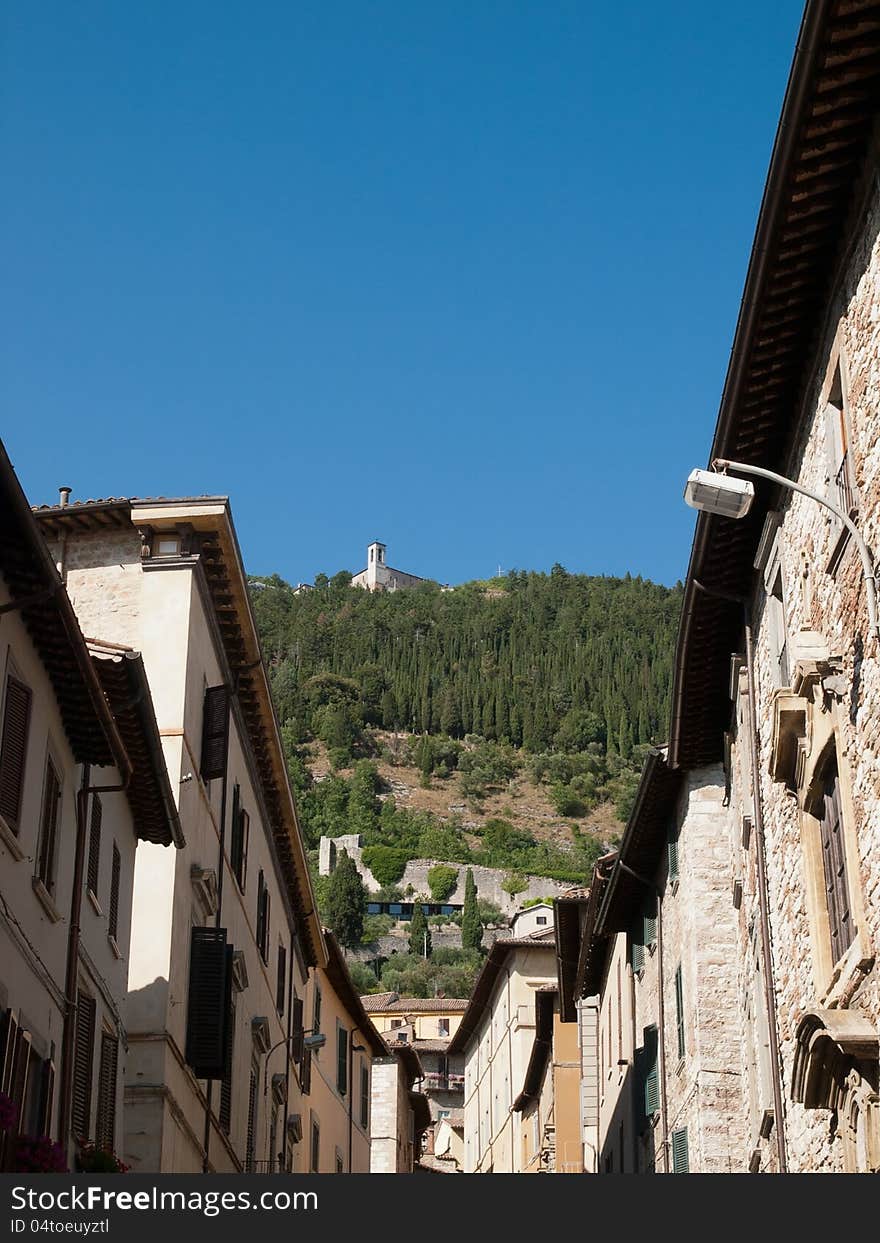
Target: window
x: 443, y: 1027
x: 315, y: 1154
x: 84, y: 1049
x: 166, y: 546
x: 341, y: 1060
x: 93, y: 868
x: 113, y: 918
x: 316, y: 1010
x: 281, y: 979
x: 263, y: 910
x: 238, y: 848
x: 680, y: 1151
x: 679, y: 1012
x: 540, y: 919
x: 215, y: 732
x: 250, y: 1146
x: 13, y: 749
x: 340, y: 1168
x: 105, y: 1122
x: 672, y: 853
x: 839, y: 465
x: 396, y: 1023
x: 777, y: 628
x: 226, y: 1082
x: 834, y: 864
x: 650, y: 1072
x: 365, y: 1095
x: 49, y: 826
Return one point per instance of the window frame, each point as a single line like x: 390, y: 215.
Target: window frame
x: 48, y: 841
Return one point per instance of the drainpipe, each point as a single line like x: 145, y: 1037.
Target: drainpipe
x: 221, y: 853
x: 760, y: 861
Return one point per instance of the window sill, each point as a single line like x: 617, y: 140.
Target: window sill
x: 847, y: 975
x: 45, y: 900
x: 10, y: 841
x: 114, y: 946
x: 96, y: 905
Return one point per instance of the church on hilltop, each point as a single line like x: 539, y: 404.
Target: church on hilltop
x: 378, y: 576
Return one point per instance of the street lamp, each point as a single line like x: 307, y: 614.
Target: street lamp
x: 716, y: 492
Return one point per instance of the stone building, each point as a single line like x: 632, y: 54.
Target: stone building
x: 399, y: 1111
x: 224, y: 931
x: 83, y: 786
x: 762, y: 986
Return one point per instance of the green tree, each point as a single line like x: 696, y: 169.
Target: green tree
x: 514, y: 883
x: 471, y: 928
x: 345, y: 902
x: 420, y: 933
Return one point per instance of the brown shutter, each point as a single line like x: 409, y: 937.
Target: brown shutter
x: 113, y: 921
x: 82, y: 1065
x: 105, y: 1121
x: 208, y: 1004
x: 226, y: 1082
x: 298, y: 1032
x: 281, y: 979
x: 834, y: 865
x: 94, y: 845
x: 47, y: 1093
x: 13, y: 749
x: 215, y: 732
x: 49, y: 828
x: 245, y: 834
x: 305, y: 1072
x: 235, y: 836
x: 251, y: 1122
x: 7, y: 1051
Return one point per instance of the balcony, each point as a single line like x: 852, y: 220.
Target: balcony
x: 435, y: 1081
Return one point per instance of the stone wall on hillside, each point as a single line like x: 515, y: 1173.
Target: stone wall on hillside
x: 487, y: 880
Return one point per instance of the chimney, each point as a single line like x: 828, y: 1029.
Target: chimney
x: 64, y: 497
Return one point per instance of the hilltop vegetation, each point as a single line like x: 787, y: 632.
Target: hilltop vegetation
x: 556, y: 680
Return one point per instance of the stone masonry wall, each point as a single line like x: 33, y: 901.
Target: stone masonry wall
x: 832, y: 604
x: 487, y: 880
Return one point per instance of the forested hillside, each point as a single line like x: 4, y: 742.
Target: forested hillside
x: 562, y: 675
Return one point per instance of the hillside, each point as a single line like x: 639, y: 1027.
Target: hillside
x: 501, y: 723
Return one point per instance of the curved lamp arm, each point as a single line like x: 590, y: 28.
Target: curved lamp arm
x: 864, y: 552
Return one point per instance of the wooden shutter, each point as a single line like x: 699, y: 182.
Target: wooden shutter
x: 650, y: 922
x: 305, y: 1072
x: 94, y: 864
x: 235, y: 837
x: 679, y: 1011
x: 251, y: 1123
x: 834, y: 865
x: 8, y: 1044
x: 84, y: 1052
x: 298, y: 1033
x: 267, y: 918
x: 651, y: 1072
x: 49, y: 827
x: 226, y: 1082
x: 215, y: 732
x: 672, y: 853
x: 245, y: 836
x: 680, y: 1151
x: 281, y: 979
x: 105, y: 1119
x: 316, y: 1147
x: 13, y: 749
x: 208, y: 1003
x: 365, y: 1096
x: 341, y: 1060
x: 261, y: 910
x: 113, y: 921
x: 47, y: 1096
x: 637, y: 946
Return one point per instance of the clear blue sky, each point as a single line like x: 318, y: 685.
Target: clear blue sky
x: 459, y: 276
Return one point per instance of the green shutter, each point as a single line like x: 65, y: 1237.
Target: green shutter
x: 679, y: 1011
x: 672, y: 853
x: 680, y: 1152
x: 650, y: 922
x: 652, y: 1076
x: 637, y: 948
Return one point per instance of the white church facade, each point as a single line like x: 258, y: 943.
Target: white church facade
x: 379, y: 576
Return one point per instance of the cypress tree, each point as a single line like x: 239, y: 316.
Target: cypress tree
x: 345, y: 902
x: 471, y: 928
x: 420, y: 933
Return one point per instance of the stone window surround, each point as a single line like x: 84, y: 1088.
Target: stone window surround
x: 817, y: 729
x: 837, y: 364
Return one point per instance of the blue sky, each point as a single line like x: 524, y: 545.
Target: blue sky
x: 462, y: 277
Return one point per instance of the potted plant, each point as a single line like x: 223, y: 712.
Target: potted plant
x: 90, y: 1159
x: 37, y: 1155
